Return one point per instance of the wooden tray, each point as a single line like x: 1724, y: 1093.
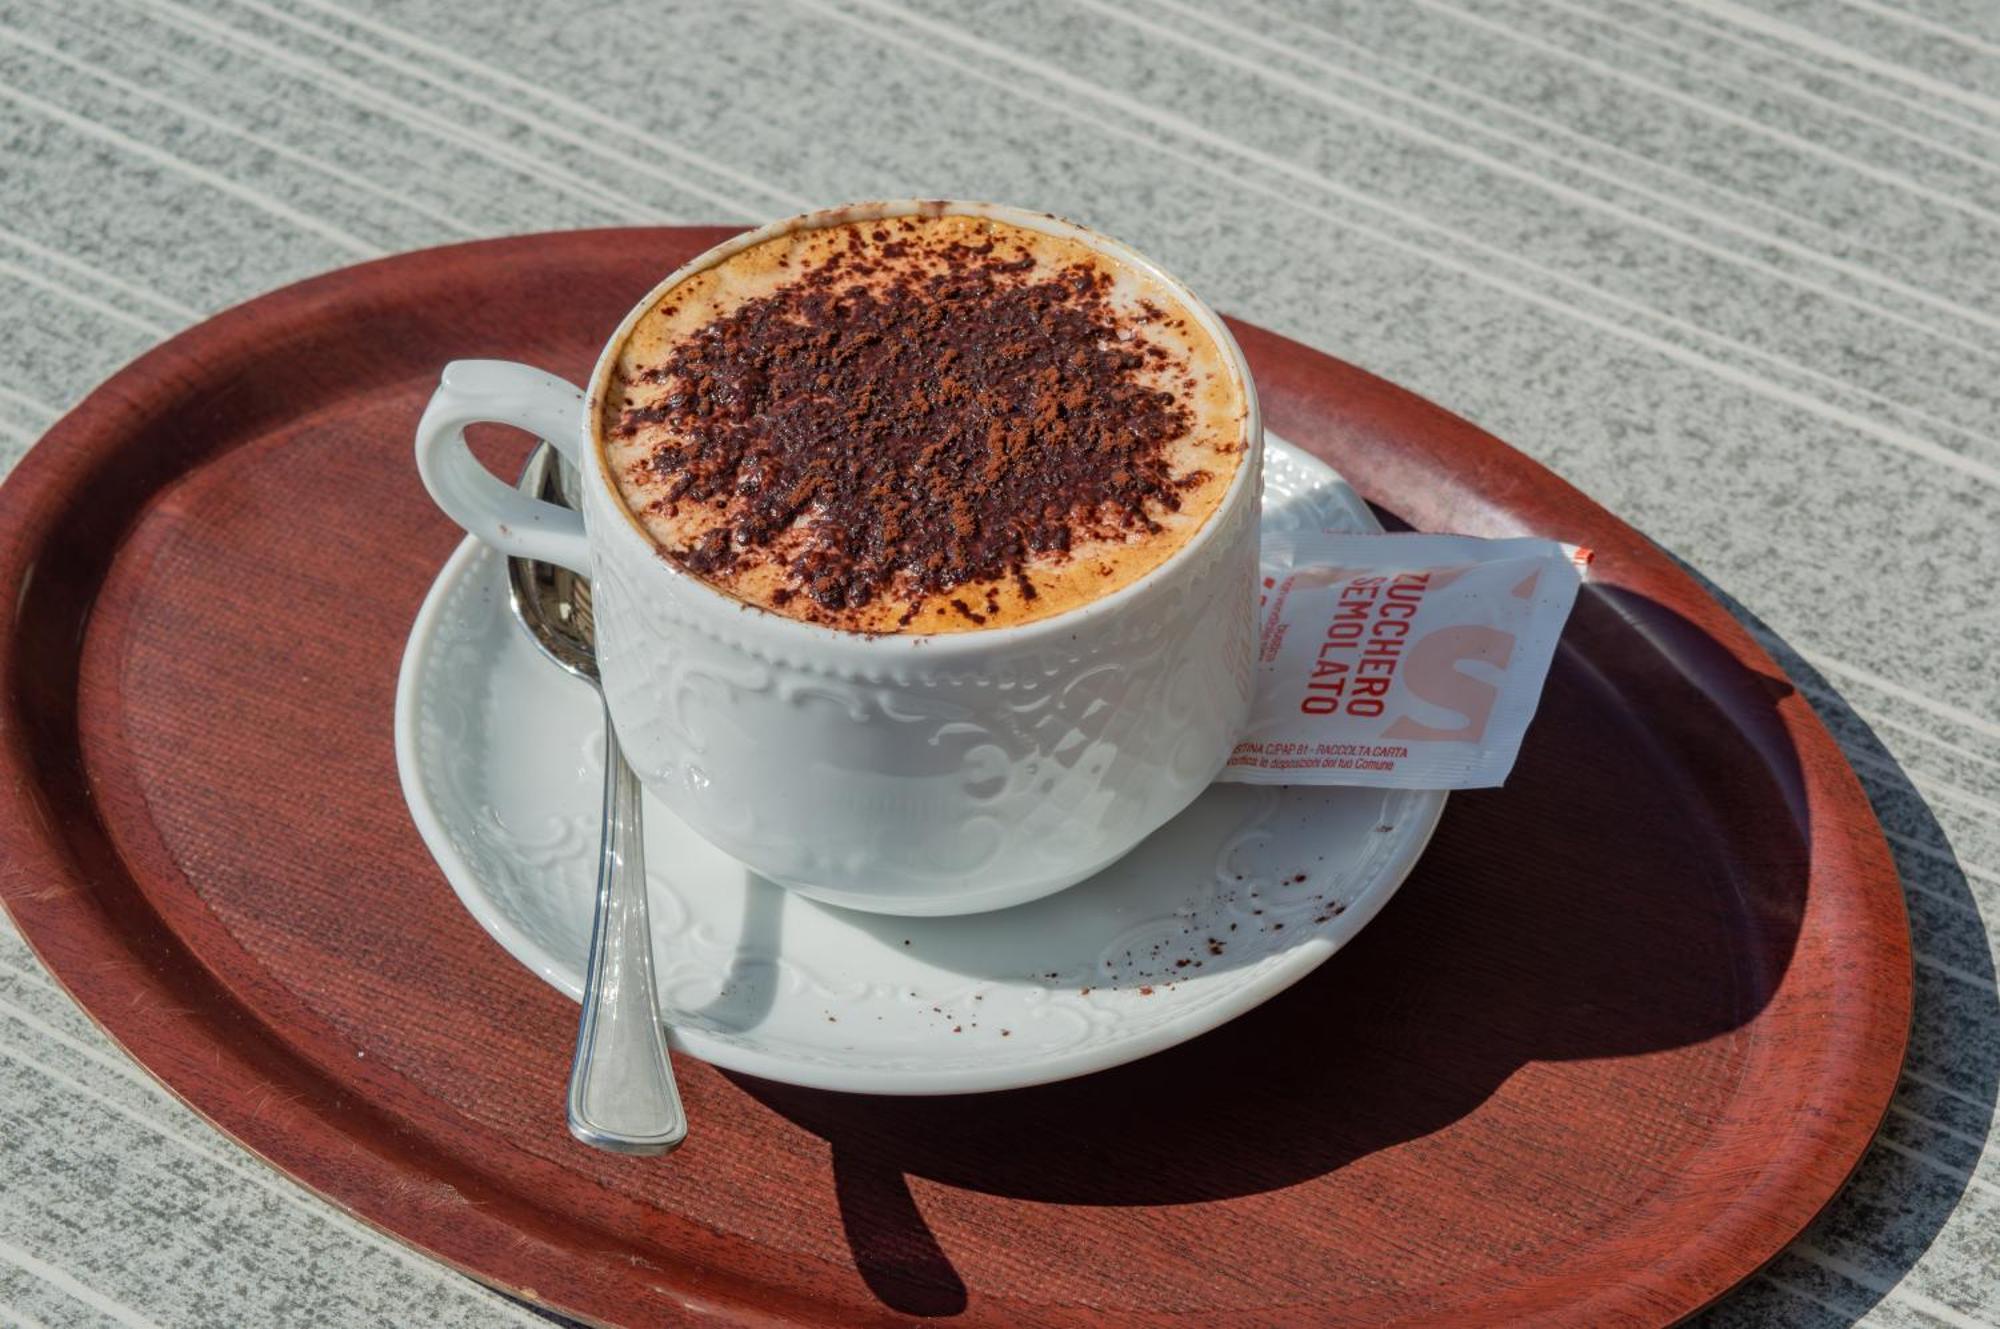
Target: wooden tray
x: 1624, y: 1032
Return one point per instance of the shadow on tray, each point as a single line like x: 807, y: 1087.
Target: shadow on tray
x: 1599, y: 907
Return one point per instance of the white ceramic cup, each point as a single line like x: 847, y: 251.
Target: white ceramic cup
x: 902, y: 774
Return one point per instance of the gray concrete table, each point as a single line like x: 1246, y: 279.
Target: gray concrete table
x: 1732, y: 266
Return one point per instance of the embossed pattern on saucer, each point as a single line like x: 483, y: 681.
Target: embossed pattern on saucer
x: 1245, y: 893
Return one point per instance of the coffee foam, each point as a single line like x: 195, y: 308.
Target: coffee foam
x: 1190, y: 367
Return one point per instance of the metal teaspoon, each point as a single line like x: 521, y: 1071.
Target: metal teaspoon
x: 622, y: 1095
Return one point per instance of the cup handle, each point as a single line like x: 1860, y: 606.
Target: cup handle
x: 501, y: 392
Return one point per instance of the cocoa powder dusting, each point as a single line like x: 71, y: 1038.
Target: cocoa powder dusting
x: 924, y: 424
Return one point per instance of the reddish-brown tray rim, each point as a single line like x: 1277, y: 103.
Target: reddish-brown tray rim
x: 369, y: 1142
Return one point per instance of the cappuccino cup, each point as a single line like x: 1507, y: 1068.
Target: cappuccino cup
x: 922, y: 540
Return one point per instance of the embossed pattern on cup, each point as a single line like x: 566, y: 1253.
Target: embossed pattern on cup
x: 925, y: 782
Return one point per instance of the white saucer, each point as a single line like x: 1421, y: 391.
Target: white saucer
x: 1240, y: 896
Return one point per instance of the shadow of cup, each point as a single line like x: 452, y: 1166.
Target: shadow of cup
x: 1629, y: 900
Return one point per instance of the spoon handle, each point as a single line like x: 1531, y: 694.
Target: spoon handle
x: 622, y: 1095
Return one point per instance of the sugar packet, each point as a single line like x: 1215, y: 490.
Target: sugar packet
x: 1401, y: 661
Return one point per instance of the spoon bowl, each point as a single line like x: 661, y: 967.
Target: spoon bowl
x: 552, y: 602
